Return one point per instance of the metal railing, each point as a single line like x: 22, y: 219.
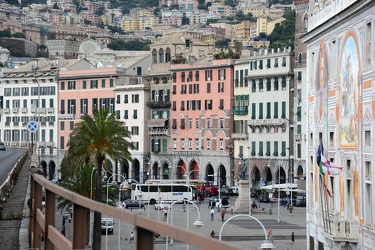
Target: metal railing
x: 145, y: 227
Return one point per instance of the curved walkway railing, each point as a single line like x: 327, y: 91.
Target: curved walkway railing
x: 145, y: 227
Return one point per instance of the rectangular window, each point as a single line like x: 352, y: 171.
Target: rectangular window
x: 220, y: 87
x: 71, y: 125
x: 268, y: 84
x: 283, y: 148
x: 253, y: 148
x: 190, y: 144
x: 299, y: 75
x: 208, y: 123
x: 208, y: 144
x: 253, y: 110
x: 268, y: 63
x: 268, y: 110
x: 135, y: 114
x: 299, y: 129
x: 246, y: 74
x: 299, y: 111
x: 71, y: 84
x: 111, y: 83
x: 84, y: 86
x: 93, y: 84
x: 182, y: 76
x: 261, y: 64
x: 260, y: 148
x: 221, y: 122
x: 164, y: 145
x: 196, y: 122
x: 236, y: 79
x: 135, y: 98
x: 241, y: 78
x: 283, y: 110
x: 276, y: 63
x: 260, y: 110
x: 197, y: 144
x: 62, y: 125
x: 103, y: 83
x: 197, y: 76
x: 190, y: 123
x: 283, y: 83
x: 284, y: 61
x: 208, y: 87
x: 62, y: 85
x: 126, y: 99
x: 126, y: 114
x: 62, y: 142
x: 276, y: 84
x: 253, y: 86
x: 275, y: 148
x: 182, y: 143
x: 268, y: 152
x: 221, y: 106
x: 135, y: 130
x: 275, y: 110
x: 208, y: 75
x: 221, y: 144
x: 174, y: 143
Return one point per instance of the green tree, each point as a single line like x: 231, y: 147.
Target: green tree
x: 95, y: 139
x: 284, y: 32
x: 18, y: 35
x: 55, y: 7
x: 222, y: 43
x: 100, y: 11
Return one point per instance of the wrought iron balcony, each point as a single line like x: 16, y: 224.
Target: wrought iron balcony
x: 240, y: 110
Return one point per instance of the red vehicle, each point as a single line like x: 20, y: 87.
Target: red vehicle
x: 212, y: 191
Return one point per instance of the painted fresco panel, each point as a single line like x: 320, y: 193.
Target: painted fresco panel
x: 348, y: 97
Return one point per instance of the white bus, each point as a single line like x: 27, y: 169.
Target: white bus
x: 152, y: 193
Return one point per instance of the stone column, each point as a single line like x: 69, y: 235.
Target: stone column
x: 242, y: 203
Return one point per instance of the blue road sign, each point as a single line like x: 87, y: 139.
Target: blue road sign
x: 32, y: 126
x: 263, y: 182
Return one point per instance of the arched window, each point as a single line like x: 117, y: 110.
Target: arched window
x: 300, y: 58
x: 154, y: 56
x: 161, y: 56
x: 167, y: 55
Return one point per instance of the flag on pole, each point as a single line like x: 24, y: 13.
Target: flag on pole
x: 329, y: 167
x: 319, y: 160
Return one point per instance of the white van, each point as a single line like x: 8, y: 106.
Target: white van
x: 107, y: 225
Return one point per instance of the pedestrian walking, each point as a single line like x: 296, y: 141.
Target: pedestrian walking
x: 165, y: 213
x: 290, y: 210
x: 222, y: 215
x: 63, y: 230
x: 212, y: 212
x: 269, y: 236
x: 292, y: 236
x: 199, y: 202
x: 131, y: 237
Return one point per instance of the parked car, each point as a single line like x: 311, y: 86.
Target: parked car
x: 132, y: 204
x: 162, y: 205
x: 300, y: 202
x: 211, y: 191
x: 264, y: 198
x: 2, y: 146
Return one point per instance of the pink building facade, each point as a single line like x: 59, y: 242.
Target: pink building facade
x: 80, y: 92
x: 201, y: 120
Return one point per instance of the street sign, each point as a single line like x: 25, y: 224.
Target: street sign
x: 263, y: 182
x: 32, y: 126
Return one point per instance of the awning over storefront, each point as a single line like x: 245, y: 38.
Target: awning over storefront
x: 156, y: 123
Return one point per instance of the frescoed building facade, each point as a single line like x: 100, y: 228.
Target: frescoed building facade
x: 341, y: 109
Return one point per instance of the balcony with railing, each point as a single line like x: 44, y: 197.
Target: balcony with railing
x: 240, y: 110
x: 159, y: 104
x: 158, y: 127
x: 267, y: 122
x: 240, y: 136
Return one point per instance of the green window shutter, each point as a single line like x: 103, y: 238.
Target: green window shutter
x: 283, y: 148
x: 253, y: 148
x: 299, y: 110
x: 246, y: 81
x: 103, y: 83
x: 84, y: 85
x: 260, y: 110
x: 241, y: 78
x: 261, y: 64
x: 260, y: 84
x: 152, y: 145
x: 111, y: 83
x: 268, y: 84
x: 43, y: 103
x: 299, y: 129
x: 275, y: 110
x: 260, y: 148
x: 268, y: 110
x: 62, y: 85
x: 283, y: 83
x: 255, y: 65
x: 268, y: 63
x: 236, y: 80
x: 276, y: 84
x: 299, y: 77
x: 251, y: 65
x: 283, y: 110
x: 275, y: 148
x: 253, y: 85
x: 253, y: 107
x: 51, y: 103
x: 268, y: 153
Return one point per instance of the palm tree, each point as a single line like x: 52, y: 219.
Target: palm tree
x: 93, y: 140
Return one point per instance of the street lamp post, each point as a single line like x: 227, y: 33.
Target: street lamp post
x: 106, y: 233
x: 278, y: 195
x: 91, y: 212
x: 198, y: 222
x: 267, y: 244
